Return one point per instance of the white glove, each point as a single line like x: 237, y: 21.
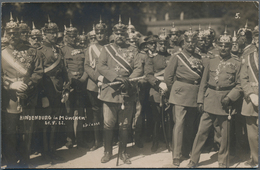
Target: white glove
x: 254, y: 99
x: 163, y: 86
x: 100, y: 78
x: 18, y: 86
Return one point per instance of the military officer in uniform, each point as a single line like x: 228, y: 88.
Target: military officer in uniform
x: 210, y: 49
x: 154, y: 70
x: 219, y: 88
x: 117, y: 62
x: 21, y: 71
x: 249, y: 82
x: 92, y: 54
x: 187, y: 67
x: 173, y: 40
x: 200, y: 47
x: 24, y: 30
x: 92, y: 36
x: 245, y: 41
x: 82, y: 40
x: 35, y: 37
x: 55, y: 75
x: 74, y: 62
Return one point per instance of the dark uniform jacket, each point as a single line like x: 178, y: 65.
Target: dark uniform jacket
x: 183, y: 93
x: 92, y: 54
x: 20, y: 64
x: 219, y: 73
x: 55, y: 73
x: 110, y: 69
x: 154, y: 70
x: 74, y: 63
x: 249, y: 82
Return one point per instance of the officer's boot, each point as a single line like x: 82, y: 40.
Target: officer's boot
x: 155, y: 137
x: 108, y: 136
x: 123, y: 135
x: 169, y: 133
x: 53, y: 154
x: 97, y: 138
x: 138, y: 141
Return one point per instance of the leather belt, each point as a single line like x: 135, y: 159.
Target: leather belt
x: 188, y: 81
x: 221, y: 88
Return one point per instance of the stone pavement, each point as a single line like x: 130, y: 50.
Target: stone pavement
x: 140, y: 157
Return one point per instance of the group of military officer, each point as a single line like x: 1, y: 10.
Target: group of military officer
x: 193, y: 82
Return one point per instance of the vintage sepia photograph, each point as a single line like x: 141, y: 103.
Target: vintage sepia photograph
x: 129, y: 84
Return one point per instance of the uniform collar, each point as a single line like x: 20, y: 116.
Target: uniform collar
x: 246, y: 47
x: 225, y: 59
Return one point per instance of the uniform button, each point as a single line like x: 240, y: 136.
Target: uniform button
x: 195, y: 82
x: 217, y: 88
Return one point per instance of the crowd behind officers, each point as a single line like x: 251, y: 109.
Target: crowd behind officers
x: 192, y: 91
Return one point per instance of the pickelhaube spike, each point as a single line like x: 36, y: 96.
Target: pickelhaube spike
x: 100, y: 20
x: 11, y: 16
x: 119, y: 19
x: 209, y: 25
x: 129, y: 23
x: 93, y: 27
x: 83, y: 32
x: 5, y: 33
x: 33, y: 26
x: 235, y: 34
x: 246, y: 24
x: 190, y: 29
x: 199, y: 28
x: 70, y: 23
x: 49, y: 20
x: 225, y: 33
x: 17, y: 20
x: 234, y: 38
x: 21, y: 19
x: 65, y: 27
x: 173, y: 25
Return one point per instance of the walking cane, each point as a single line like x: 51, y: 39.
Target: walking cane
x: 162, y: 113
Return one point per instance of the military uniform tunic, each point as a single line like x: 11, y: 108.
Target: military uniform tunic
x: 220, y: 79
x: 156, y: 64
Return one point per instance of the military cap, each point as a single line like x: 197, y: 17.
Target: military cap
x: 201, y: 34
x: 234, y: 38
x: 210, y: 32
x: 50, y: 27
x: 23, y: 27
x: 152, y: 39
x: 11, y: 26
x: 173, y: 30
x: 91, y: 33
x: 244, y: 31
x: 190, y: 35
x: 119, y: 28
x: 35, y: 32
x: 162, y: 36
x: 101, y: 27
x: 71, y: 30
x: 224, y: 39
x: 256, y: 31
x: 130, y: 27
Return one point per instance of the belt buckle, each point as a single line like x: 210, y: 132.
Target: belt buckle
x: 217, y: 87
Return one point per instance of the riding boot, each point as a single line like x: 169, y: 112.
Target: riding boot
x: 123, y: 135
x: 97, y: 138
x: 108, y: 137
x: 138, y: 140
x: 155, y: 137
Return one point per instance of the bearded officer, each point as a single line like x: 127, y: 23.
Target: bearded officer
x: 19, y: 95
x: 117, y: 62
x: 55, y: 75
x: 154, y: 69
x: 74, y: 62
x: 249, y: 82
x: 187, y: 67
x: 92, y: 54
x: 219, y: 88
